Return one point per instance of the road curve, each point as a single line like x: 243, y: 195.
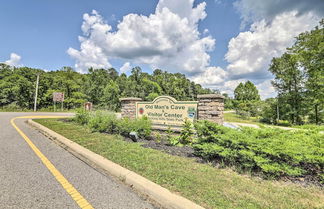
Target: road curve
x: 27, y: 182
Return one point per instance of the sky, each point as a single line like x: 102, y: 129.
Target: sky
x: 216, y: 43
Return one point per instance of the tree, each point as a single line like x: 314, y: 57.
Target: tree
x: 246, y: 92
x: 239, y: 92
x: 289, y: 82
x: 96, y: 82
x: 228, y: 102
x: 246, y: 96
x: 111, y: 96
x: 309, y: 48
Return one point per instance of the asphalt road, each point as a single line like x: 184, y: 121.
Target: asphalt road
x: 25, y: 182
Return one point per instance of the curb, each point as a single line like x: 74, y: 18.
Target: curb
x: 154, y: 191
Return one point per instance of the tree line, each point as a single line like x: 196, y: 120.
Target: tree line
x: 102, y: 87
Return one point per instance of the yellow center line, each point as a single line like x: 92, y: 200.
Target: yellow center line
x: 76, y: 196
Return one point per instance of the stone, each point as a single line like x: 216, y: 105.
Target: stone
x: 214, y: 113
x: 205, y: 100
x: 133, y: 135
x: 130, y: 99
x: 203, y: 108
x: 204, y: 96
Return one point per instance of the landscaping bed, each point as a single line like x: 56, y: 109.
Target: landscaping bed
x: 202, y: 183
x: 270, y: 153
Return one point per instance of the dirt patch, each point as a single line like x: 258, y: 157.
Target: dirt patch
x: 182, y: 151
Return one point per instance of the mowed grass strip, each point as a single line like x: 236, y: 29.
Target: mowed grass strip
x: 208, y: 186
x: 232, y: 117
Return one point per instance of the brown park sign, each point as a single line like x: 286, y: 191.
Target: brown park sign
x: 58, y: 96
x: 165, y: 111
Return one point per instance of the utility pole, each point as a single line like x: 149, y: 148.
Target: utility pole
x: 278, y: 118
x: 36, y: 92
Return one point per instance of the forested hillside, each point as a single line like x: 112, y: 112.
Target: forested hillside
x: 103, y: 87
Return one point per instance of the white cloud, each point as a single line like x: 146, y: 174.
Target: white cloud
x: 252, y: 10
x: 184, y: 9
x: 126, y: 67
x: 14, y: 60
x: 211, y: 77
x: 249, y: 54
x: 168, y: 39
x: 266, y: 89
x: 229, y: 86
x: 206, y: 31
x: 275, y: 24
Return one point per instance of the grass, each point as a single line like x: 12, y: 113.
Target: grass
x: 310, y: 127
x: 206, y: 185
x: 232, y: 117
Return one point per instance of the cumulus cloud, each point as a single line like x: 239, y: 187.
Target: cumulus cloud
x: 168, y: 39
x: 249, y: 54
x: 266, y: 89
x: 252, y: 10
x: 212, y: 77
x: 126, y: 67
x: 14, y: 60
x: 275, y: 24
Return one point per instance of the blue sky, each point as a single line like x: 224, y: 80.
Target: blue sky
x: 42, y: 31
x: 44, y: 34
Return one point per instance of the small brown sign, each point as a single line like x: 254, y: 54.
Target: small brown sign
x: 58, y: 96
x: 88, y: 106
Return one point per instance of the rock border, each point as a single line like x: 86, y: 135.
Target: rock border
x: 154, y: 191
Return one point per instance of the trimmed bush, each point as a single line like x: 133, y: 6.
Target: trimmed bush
x: 273, y: 152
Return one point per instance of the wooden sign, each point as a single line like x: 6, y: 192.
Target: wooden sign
x: 88, y: 106
x: 58, y: 96
x: 165, y: 111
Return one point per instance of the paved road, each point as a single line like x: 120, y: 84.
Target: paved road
x: 25, y: 182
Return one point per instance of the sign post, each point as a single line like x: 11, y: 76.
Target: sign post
x: 58, y: 97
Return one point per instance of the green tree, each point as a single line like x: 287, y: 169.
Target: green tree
x: 228, y: 102
x: 111, y: 96
x: 247, y: 97
x: 309, y: 48
x: 289, y: 82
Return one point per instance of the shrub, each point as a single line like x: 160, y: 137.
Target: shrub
x: 274, y: 152
x: 141, y: 126
x: 187, y: 133
x: 82, y: 117
x: 103, y: 121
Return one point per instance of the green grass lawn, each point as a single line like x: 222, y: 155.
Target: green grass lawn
x: 232, y: 117
x: 206, y: 185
